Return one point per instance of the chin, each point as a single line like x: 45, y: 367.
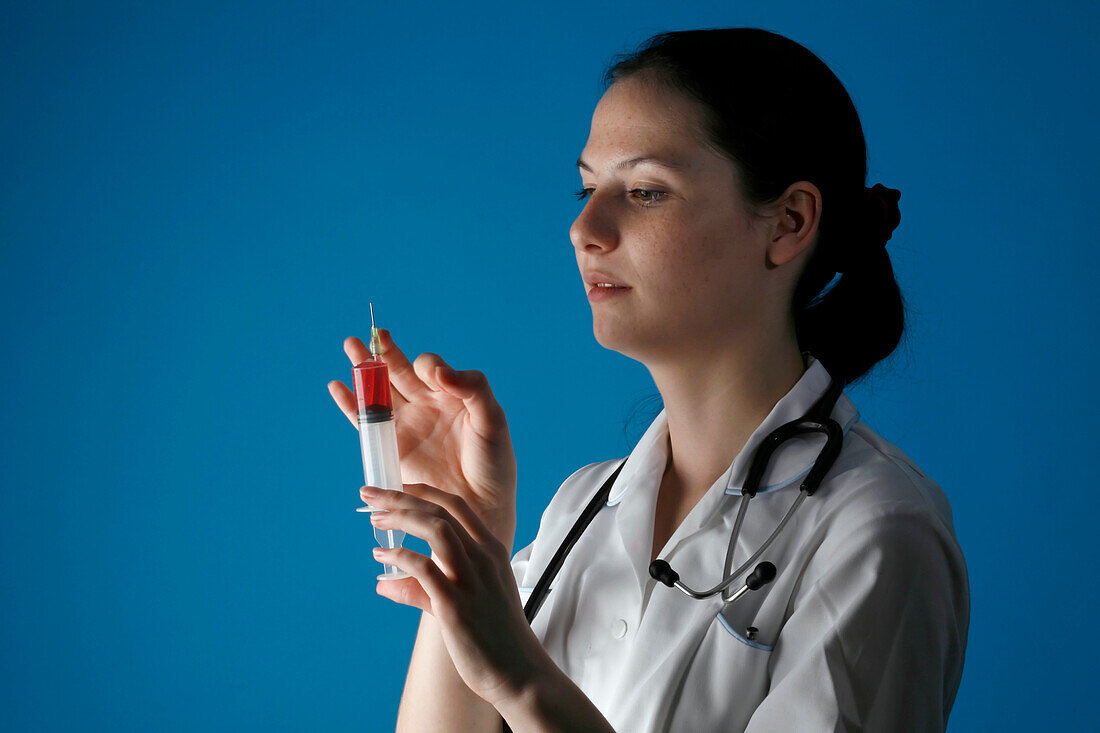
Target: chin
x: 630, y: 341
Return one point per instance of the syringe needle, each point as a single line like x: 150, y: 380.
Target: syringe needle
x: 375, y: 338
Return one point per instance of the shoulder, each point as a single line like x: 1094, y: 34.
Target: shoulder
x: 578, y: 489
x: 874, y: 605
x: 879, y: 507
x: 559, y: 515
x: 874, y: 478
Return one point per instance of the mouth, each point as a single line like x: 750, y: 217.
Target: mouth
x: 603, y: 291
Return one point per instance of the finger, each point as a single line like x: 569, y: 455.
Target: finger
x: 402, y: 376
x: 405, y: 590
x: 424, y: 571
x: 427, y: 367
x: 472, y: 387
x: 356, y: 350
x: 478, y: 540
x: 345, y: 400
x: 457, y: 507
x: 440, y: 530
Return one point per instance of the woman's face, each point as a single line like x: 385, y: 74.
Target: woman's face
x: 678, y: 237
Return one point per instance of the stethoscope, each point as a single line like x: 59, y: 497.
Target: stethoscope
x: 817, y: 420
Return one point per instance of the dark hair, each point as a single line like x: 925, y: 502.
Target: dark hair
x: 747, y: 82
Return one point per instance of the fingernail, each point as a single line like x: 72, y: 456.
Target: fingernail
x: 378, y: 551
x: 370, y: 491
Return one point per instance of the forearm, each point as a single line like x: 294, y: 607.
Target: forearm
x: 435, y: 697
x: 552, y: 702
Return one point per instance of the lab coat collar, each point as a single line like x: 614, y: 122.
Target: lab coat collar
x: 790, y: 463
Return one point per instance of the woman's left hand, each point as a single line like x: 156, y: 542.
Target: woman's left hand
x: 467, y: 585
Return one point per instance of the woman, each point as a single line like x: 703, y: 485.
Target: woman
x: 724, y: 178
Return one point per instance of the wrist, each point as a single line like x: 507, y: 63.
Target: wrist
x: 524, y: 696
x: 504, y: 529
x: 549, y: 701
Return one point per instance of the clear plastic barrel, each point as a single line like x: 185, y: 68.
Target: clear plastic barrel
x: 382, y: 468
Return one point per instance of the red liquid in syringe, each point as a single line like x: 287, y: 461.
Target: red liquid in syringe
x: 372, y: 390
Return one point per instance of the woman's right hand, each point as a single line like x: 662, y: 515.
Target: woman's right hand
x: 451, y: 432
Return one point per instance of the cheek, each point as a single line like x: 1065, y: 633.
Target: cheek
x: 700, y: 263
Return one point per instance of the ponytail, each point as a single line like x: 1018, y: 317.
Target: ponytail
x: 860, y: 320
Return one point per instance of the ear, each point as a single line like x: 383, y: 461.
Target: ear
x: 794, y: 219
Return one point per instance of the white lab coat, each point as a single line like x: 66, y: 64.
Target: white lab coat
x: 864, y: 627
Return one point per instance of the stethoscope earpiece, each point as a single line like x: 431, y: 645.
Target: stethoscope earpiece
x: 662, y: 571
x: 761, y: 576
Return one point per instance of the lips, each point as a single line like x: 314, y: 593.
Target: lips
x: 594, y: 278
x: 599, y: 293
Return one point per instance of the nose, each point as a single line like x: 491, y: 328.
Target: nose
x: 595, y: 228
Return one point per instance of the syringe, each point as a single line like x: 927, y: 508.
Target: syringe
x: 378, y: 437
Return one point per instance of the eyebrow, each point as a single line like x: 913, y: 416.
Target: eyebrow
x: 675, y: 165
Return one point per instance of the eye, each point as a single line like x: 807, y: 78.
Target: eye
x: 654, y: 194
x: 646, y: 195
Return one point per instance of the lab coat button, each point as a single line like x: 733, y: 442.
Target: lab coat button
x: 618, y: 629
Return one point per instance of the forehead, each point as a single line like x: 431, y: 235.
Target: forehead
x: 635, y: 117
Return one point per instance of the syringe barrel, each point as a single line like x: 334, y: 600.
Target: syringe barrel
x: 377, y: 434
x: 381, y: 462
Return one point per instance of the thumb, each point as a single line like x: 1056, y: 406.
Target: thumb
x: 472, y: 387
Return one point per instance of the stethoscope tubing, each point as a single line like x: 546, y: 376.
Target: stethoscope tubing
x: 816, y: 420
x: 599, y: 501
x: 743, y: 567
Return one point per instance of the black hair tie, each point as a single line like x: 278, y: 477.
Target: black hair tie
x: 877, y: 218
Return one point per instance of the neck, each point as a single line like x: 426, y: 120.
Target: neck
x: 715, y: 401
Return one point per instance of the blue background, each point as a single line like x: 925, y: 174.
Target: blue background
x: 198, y: 199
